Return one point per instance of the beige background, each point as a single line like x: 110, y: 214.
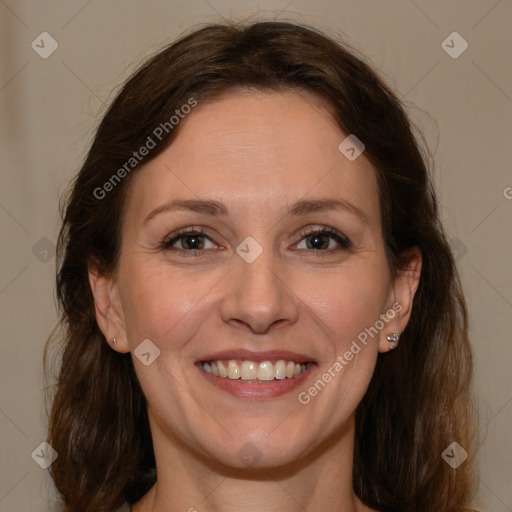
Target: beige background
x: 50, y: 107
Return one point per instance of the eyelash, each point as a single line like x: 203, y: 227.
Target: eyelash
x: 343, y: 241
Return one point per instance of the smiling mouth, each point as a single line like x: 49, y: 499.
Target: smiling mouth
x: 252, y: 372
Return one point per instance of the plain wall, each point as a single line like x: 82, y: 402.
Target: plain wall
x: 50, y: 107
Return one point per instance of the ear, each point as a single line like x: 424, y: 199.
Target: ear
x: 109, y: 312
x: 400, y: 300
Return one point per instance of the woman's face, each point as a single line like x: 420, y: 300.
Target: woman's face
x: 254, y: 239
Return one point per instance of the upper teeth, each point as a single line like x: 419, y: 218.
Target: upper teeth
x: 249, y: 370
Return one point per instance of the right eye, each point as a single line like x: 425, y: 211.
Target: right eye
x: 187, y: 240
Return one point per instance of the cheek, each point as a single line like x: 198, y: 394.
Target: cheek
x: 348, y: 302
x: 156, y: 302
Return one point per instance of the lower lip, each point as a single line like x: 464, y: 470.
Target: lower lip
x: 255, y: 390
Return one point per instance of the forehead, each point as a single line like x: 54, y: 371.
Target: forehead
x: 256, y: 148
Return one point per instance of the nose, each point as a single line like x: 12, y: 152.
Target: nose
x: 258, y: 295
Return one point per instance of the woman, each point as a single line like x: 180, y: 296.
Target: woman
x: 261, y: 309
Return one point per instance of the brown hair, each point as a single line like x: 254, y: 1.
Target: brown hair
x: 418, y: 401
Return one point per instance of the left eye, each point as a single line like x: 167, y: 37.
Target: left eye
x: 323, y: 239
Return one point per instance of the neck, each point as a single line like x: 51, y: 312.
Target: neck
x: 319, y: 481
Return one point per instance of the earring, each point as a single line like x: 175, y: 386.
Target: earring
x: 114, y: 341
x: 394, y: 340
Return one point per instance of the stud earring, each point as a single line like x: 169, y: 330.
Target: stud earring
x: 394, y: 340
x: 114, y: 341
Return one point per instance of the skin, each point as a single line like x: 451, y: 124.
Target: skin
x: 257, y: 153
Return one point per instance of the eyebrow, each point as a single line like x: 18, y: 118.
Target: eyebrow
x: 218, y: 209
x: 208, y: 207
x: 306, y: 206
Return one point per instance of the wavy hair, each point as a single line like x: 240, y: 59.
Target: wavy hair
x: 418, y: 401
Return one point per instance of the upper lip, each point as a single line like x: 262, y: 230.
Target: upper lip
x: 257, y: 357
